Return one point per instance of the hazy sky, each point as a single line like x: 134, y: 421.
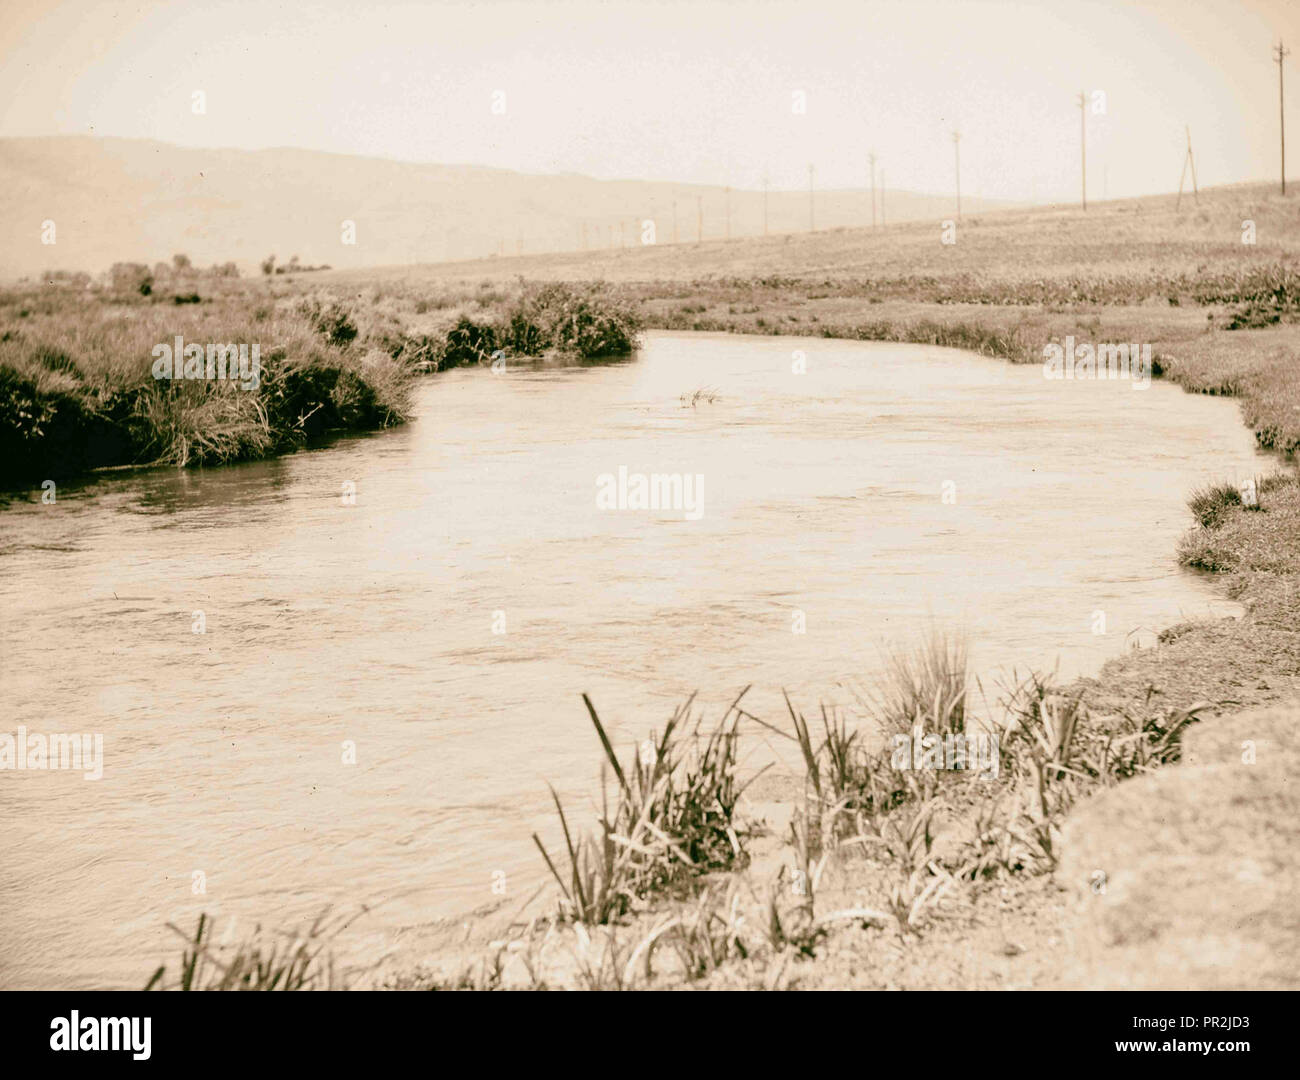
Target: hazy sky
x: 701, y: 91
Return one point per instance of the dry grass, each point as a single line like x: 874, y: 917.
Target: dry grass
x: 77, y: 389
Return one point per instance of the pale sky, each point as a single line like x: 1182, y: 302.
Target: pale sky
x: 701, y: 91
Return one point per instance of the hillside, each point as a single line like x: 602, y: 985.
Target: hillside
x: 1041, y: 248
x: 132, y: 199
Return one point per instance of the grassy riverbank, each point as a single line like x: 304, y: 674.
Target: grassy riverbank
x: 1122, y: 802
x: 78, y: 388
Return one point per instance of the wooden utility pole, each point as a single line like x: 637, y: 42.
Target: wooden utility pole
x: 1083, y: 147
x: 811, y: 220
x: 1188, y: 160
x: 956, y: 150
x: 872, y: 159
x: 1280, y: 54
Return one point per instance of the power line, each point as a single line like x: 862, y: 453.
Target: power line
x: 1083, y: 148
x: 872, y: 158
x: 1188, y: 160
x: 1280, y: 54
x: 956, y: 150
x: 811, y: 225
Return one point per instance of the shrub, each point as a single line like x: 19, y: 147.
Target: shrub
x: 332, y: 321
x: 570, y: 319
x: 467, y: 342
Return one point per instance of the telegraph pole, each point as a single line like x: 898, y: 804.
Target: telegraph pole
x: 872, y: 158
x: 1187, y: 160
x: 1280, y: 54
x: 956, y: 150
x: 811, y: 226
x: 1083, y: 147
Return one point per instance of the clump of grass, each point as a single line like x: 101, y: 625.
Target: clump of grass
x: 260, y: 962
x: 703, y: 394
x: 1055, y: 753
x: 332, y: 321
x: 925, y: 687
x: 1210, y: 504
x: 673, y: 817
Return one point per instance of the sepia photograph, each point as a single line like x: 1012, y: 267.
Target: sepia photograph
x: 649, y: 495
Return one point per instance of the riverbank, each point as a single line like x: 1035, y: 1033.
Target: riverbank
x: 98, y: 376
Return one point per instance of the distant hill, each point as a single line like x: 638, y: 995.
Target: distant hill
x: 137, y: 200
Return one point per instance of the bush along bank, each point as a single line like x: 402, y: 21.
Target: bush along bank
x: 91, y: 382
x: 557, y: 320
x: 83, y: 382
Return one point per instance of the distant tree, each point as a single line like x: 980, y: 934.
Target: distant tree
x: 293, y: 264
x: 268, y: 265
x: 182, y: 264
x: 131, y: 277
